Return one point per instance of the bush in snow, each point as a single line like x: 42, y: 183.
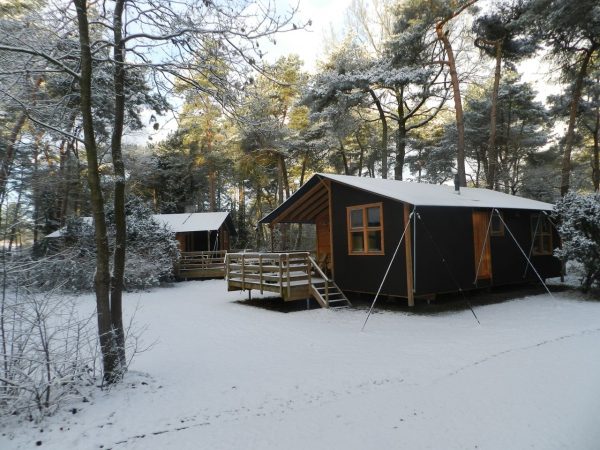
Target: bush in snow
x: 48, y: 350
x: 151, y: 252
x: 152, y: 249
x: 579, y: 228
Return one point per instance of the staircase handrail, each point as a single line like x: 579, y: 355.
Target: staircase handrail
x: 318, y: 269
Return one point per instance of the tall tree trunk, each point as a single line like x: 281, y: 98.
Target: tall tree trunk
x: 566, y: 162
x: 284, y: 176
x: 284, y: 187
x: 7, y: 161
x: 119, y: 194
x: 108, y: 344
x: 298, y: 242
x: 460, y: 124
x: 15, y: 132
x: 344, y: 158
x: 400, y: 136
x: 361, y: 156
x: 212, y: 190
x: 458, y: 108
x: 13, y: 225
x: 596, y: 153
x: 241, y: 218
x: 384, y: 134
x: 492, y: 153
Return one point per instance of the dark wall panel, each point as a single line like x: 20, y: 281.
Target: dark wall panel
x: 444, y: 250
x: 509, y: 265
x: 364, y: 273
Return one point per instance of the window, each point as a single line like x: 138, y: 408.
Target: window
x: 497, y: 225
x: 365, y: 229
x: 541, y: 234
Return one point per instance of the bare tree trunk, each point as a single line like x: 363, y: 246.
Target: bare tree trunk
x: 344, y: 158
x: 361, y: 156
x: 9, y: 154
x: 451, y: 62
x: 241, y: 218
x: 284, y: 187
x: 212, y: 190
x: 118, y: 276
x: 6, y: 167
x: 108, y: 345
x: 298, y: 242
x: 596, y: 153
x: 458, y: 108
x: 384, y: 134
x: 400, y: 136
x: 492, y: 153
x: 566, y: 163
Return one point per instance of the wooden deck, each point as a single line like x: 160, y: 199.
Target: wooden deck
x: 193, y: 265
x: 293, y: 276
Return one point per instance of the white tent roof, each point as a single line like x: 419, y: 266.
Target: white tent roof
x: 423, y: 194
x: 179, y: 223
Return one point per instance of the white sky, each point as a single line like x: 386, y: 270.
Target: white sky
x: 310, y: 44
x: 328, y: 18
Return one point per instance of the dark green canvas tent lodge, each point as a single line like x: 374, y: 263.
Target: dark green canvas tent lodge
x: 451, y: 240
x: 204, y: 240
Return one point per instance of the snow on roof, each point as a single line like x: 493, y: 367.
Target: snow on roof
x: 179, y: 223
x: 423, y: 194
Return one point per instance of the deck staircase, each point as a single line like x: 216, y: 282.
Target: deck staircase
x: 325, y: 291
x: 294, y: 276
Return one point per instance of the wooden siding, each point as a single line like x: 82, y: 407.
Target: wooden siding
x: 324, y: 241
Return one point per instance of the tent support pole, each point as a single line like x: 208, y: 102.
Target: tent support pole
x: 532, y: 244
x: 385, y: 276
x: 408, y: 258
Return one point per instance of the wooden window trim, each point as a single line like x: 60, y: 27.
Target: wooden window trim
x: 500, y: 231
x: 365, y: 229
x: 539, y: 234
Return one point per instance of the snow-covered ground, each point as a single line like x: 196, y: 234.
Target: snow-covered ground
x: 224, y: 375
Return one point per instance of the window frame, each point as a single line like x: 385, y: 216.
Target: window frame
x: 365, y: 229
x: 538, y: 233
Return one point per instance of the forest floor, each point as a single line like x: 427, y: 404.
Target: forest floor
x: 225, y: 374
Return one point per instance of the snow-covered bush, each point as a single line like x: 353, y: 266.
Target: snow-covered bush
x: 579, y: 227
x: 152, y: 249
x: 48, y: 349
x: 151, y: 253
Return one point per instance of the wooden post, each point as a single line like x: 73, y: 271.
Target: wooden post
x: 329, y: 207
x: 260, y: 267
x: 289, y: 289
x: 280, y: 277
x: 308, y: 271
x: 408, y: 257
x: 227, y: 267
x: 243, y: 274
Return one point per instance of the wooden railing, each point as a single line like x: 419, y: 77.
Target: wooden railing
x: 286, y: 273
x: 211, y: 263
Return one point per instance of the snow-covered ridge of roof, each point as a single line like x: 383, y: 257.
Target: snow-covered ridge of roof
x: 423, y: 194
x: 179, y: 223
